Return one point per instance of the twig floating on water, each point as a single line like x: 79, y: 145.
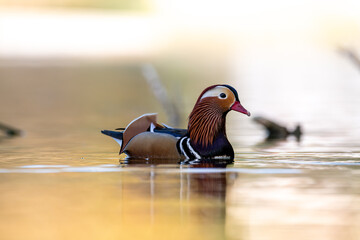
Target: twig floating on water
x: 276, y: 131
x: 10, y: 131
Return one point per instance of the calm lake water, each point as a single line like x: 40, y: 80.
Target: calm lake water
x: 63, y: 180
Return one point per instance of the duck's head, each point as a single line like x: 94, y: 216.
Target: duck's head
x: 207, y: 118
x: 222, y: 98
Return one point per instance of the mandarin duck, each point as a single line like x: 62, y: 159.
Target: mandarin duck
x: 205, y: 137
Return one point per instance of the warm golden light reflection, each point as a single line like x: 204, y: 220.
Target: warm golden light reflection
x: 296, y: 211
x: 124, y: 205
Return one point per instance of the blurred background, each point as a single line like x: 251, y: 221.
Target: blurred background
x: 69, y: 68
x: 275, y: 53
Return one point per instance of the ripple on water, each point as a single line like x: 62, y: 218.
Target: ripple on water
x: 117, y: 168
x: 335, y: 163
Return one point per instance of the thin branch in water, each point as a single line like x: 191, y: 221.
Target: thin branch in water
x: 10, y: 131
x: 276, y: 131
x: 350, y: 53
x: 160, y: 92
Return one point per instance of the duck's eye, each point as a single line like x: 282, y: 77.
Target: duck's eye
x: 222, y: 95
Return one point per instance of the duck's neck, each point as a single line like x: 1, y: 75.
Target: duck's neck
x: 206, y: 123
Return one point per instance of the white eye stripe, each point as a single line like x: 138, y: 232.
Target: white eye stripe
x: 215, y: 92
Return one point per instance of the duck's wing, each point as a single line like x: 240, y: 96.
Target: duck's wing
x: 146, y: 122
x: 137, y: 126
x: 176, y: 132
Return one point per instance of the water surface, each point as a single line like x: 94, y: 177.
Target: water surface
x: 63, y: 180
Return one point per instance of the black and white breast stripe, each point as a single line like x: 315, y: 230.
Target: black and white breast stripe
x: 185, y: 148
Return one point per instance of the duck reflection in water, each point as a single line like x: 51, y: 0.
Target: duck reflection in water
x: 204, y: 183
x: 202, y: 177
